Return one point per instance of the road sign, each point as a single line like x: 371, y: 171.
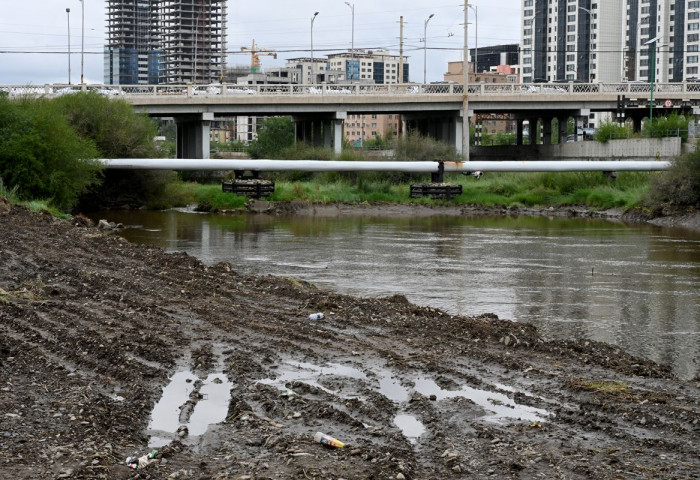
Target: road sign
x: 668, y: 103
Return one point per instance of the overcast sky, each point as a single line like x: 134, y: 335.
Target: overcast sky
x: 34, y: 33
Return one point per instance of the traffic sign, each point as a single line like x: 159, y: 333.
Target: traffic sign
x: 668, y: 103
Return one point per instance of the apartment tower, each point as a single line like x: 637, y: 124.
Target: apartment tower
x: 608, y: 41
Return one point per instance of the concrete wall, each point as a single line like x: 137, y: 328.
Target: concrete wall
x: 632, y: 149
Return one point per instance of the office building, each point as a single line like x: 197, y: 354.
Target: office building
x: 369, y: 66
x: 487, y: 58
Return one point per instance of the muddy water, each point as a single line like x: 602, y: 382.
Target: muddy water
x: 636, y: 287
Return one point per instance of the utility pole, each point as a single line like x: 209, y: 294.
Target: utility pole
x: 82, y: 46
x: 465, y: 100
x: 400, y: 49
x: 68, y: 14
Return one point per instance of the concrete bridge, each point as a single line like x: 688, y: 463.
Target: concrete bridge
x: 433, y: 109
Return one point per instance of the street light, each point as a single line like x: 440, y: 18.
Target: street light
x: 425, y: 46
x: 655, y: 43
x: 352, y: 47
x: 313, y: 65
x: 82, y: 44
x: 476, y: 39
x: 590, y: 43
x: 68, y: 15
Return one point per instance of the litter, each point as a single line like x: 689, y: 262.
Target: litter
x: 316, y: 316
x: 138, y: 463
x: 327, y: 440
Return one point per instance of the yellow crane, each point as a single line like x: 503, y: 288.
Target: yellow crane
x: 255, y: 54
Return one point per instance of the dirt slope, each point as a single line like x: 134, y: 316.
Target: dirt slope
x: 92, y: 328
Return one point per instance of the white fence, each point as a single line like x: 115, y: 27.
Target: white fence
x: 479, y: 89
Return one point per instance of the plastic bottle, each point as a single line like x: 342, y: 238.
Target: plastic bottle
x: 316, y: 316
x: 327, y: 440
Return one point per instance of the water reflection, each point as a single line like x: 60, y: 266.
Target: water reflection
x: 637, y: 287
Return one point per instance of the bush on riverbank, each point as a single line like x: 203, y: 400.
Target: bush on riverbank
x: 681, y: 184
x: 42, y: 156
x: 47, y: 148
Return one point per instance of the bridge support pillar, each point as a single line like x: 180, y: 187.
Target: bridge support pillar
x: 637, y: 123
x: 192, y: 139
x: 532, y: 131
x: 337, y: 137
x: 547, y: 131
x: 458, y: 134
x: 317, y: 129
x: 563, y: 123
x: 519, y: 132
x: 327, y: 134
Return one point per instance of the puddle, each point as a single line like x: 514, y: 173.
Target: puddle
x: 310, y: 374
x: 209, y: 410
x: 392, y: 389
x: 499, y: 405
x: 410, y: 426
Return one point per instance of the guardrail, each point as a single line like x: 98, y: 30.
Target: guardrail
x: 446, y: 89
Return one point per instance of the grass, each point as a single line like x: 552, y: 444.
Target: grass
x: 602, y: 386
x: 589, y: 189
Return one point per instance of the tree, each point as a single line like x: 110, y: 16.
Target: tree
x: 42, y: 156
x: 275, y: 134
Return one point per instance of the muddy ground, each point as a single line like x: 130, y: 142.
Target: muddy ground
x: 92, y: 329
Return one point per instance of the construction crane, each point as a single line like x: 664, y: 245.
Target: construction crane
x: 255, y: 54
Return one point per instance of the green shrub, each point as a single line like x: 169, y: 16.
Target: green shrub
x: 275, y: 134
x: 114, y: 126
x: 41, y: 156
x: 414, y: 147
x: 611, y: 131
x: 670, y: 126
x: 680, y: 185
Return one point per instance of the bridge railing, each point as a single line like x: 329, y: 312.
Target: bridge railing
x: 355, y: 89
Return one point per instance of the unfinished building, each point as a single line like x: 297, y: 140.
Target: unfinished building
x: 132, y: 54
x: 165, y: 41
x: 194, y: 36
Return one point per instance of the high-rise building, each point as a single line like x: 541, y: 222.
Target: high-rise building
x: 371, y: 66
x: 194, y: 37
x: 165, y: 41
x: 609, y: 41
x: 132, y: 54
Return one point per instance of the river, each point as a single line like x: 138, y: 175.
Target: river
x: 637, y: 287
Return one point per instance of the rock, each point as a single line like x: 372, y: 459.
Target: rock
x: 400, y: 476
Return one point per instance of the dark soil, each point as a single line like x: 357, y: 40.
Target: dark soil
x: 92, y: 328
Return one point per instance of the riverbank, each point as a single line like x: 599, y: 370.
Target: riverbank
x: 687, y: 218
x: 93, y: 328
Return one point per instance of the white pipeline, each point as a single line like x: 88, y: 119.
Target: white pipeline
x: 362, y: 166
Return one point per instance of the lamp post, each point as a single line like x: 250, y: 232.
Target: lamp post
x: 68, y: 15
x: 82, y: 44
x: 352, y: 44
x: 465, y: 99
x: 313, y: 65
x: 590, y: 43
x: 425, y: 47
x: 476, y: 39
x: 653, y: 45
